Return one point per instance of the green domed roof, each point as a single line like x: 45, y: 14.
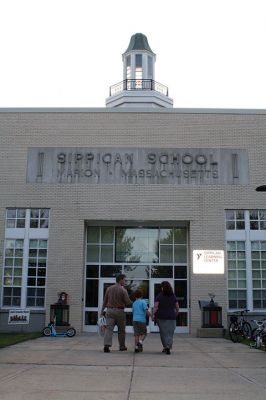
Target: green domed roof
x: 138, y: 42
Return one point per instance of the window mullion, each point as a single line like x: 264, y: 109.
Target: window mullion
x: 25, y: 261
x: 248, y: 262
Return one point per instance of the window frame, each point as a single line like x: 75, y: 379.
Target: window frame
x: 247, y: 235
x: 26, y: 234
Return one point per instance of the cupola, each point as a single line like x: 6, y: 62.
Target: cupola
x: 139, y: 88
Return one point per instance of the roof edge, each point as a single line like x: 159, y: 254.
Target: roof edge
x: 133, y: 110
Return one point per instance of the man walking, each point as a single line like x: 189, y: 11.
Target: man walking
x: 115, y: 300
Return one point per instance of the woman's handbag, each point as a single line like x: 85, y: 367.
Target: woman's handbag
x: 154, y: 317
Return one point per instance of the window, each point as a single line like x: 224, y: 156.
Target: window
x: 136, y: 245
x: 25, y: 260
x: 36, y: 272
x: 235, y: 219
x: 236, y: 261
x: 13, y: 263
x: 150, y: 68
x: 138, y: 60
x: 246, y: 258
x: 15, y: 218
x: 142, y: 253
x: 100, y: 244
x: 258, y: 257
x: 128, y: 66
x: 11, y: 297
x: 257, y: 220
x: 180, y: 245
x: 39, y: 218
x: 138, y: 71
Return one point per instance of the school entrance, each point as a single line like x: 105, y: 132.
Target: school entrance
x: 147, y: 256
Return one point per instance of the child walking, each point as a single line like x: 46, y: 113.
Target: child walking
x: 140, y: 312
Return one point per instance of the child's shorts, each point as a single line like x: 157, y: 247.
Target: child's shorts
x: 140, y: 328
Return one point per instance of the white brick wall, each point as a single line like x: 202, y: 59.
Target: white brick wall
x: 71, y: 205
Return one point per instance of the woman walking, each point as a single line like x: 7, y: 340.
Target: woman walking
x: 165, y: 310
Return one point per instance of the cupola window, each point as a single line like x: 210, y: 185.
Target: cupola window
x: 128, y: 65
x: 150, y: 74
x: 138, y: 71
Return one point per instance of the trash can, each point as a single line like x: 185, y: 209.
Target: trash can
x: 211, y: 314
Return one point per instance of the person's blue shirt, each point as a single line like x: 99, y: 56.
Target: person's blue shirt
x: 139, y: 309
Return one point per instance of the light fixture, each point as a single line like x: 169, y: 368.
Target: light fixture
x: 261, y: 188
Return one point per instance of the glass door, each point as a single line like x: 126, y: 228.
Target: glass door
x: 155, y: 289
x: 104, y: 284
x: 133, y: 284
x: 147, y: 256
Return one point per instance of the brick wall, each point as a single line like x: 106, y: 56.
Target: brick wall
x: 71, y: 205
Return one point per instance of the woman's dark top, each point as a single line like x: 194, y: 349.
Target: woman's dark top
x: 167, y: 306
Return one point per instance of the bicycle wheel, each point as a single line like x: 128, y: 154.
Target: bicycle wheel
x: 71, y: 332
x: 255, y: 332
x: 46, y: 331
x: 234, y: 332
x: 247, y: 331
x: 255, y: 337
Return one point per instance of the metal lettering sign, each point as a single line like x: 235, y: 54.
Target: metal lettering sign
x: 137, y: 166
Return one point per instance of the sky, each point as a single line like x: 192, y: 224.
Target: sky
x: 67, y: 53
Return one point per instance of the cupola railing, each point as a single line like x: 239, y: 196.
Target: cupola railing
x: 138, y: 84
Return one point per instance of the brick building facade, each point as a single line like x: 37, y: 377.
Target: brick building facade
x: 86, y: 193
x: 140, y: 188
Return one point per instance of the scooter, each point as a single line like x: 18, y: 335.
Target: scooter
x: 50, y: 330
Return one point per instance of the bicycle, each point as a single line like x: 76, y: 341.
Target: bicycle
x: 239, y: 328
x: 259, y: 334
x: 50, y: 330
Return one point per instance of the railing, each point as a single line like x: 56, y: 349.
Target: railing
x: 138, y: 84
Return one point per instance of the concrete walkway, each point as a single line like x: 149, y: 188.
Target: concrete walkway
x: 76, y: 368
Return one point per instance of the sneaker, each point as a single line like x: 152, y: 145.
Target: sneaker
x: 106, y: 349
x: 136, y: 350
x: 140, y: 347
x: 123, y: 348
x: 167, y: 351
x: 163, y: 350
